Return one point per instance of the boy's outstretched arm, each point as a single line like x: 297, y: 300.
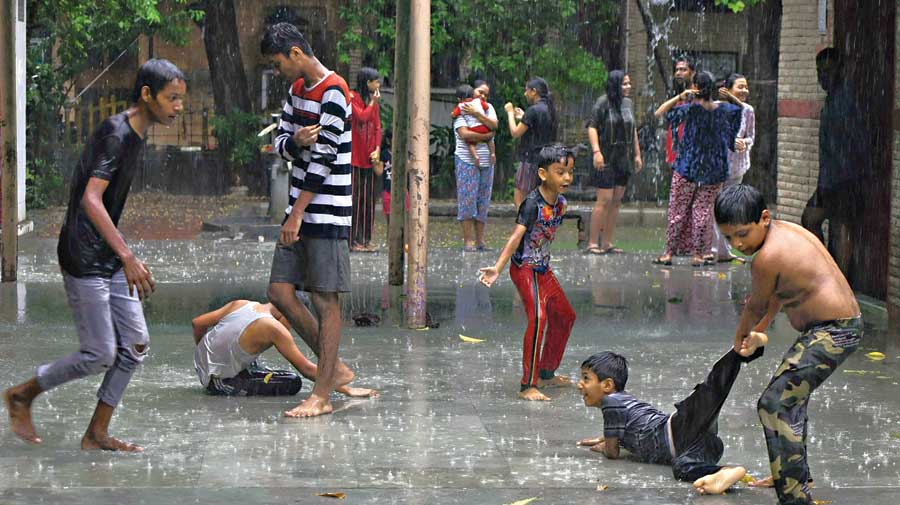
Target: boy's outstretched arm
x: 488, y: 275
x: 610, y: 448
x: 765, y: 279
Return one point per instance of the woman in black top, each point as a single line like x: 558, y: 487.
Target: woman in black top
x: 537, y: 128
x: 613, y: 137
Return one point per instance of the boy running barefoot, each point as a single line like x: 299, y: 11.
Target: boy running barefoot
x: 231, y: 338
x: 104, y: 281
x: 540, y: 215
x: 792, y: 268
x: 687, y: 439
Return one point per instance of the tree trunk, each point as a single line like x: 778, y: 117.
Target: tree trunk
x: 761, y: 66
x: 226, y: 70
x: 660, y: 56
x: 609, y: 45
x: 227, y: 76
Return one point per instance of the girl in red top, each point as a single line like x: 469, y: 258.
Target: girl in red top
x: 366, y: 141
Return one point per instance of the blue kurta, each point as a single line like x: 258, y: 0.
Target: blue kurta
x: 708, y: 135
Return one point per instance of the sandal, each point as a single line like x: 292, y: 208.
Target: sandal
x: 469, y: 248
x: 662, y: 261
x: 596, y: 250
x: 615, y: 250
x: 704, y: 261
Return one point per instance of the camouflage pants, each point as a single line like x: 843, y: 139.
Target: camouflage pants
x: 815, y: 355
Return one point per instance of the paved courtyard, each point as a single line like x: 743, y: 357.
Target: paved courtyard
x: 447, y: 428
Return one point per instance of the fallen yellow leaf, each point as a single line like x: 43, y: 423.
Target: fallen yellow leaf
x: 470, y: 339
x: 875, y: 356
x: 747, y: 479
x: 821, y: 502
x: 722, y: 275
x: 339, y: 496
x: 525, y: 501
x: 602, y: 487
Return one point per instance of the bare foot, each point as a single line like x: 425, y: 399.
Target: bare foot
x: 312, y: 406
x: 532, y: 394
x: 557, y: 380
x: 19, y: 409
x: 357, y: 392
x: 107, y: 443
x: 343, y: 375
x: 752, y: 342
x: 718, y: 482
x: 767, y: 482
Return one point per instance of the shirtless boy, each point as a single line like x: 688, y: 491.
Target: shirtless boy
x: 792, y: 268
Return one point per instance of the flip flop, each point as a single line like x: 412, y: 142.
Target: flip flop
x: 615, y: 250
x: 660, y: 261
x: 597, y: 251
x: 703, y: 262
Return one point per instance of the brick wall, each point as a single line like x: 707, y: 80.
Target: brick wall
x: 894, y: 269
x: 799, y: 101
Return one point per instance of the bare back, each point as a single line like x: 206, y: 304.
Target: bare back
x: 807, y: 281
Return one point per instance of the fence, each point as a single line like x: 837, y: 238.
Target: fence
x: 191, y: 129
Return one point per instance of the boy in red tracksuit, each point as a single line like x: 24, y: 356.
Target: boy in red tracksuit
x: 540, y: 215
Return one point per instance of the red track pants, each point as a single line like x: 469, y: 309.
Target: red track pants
x: 547, y: 308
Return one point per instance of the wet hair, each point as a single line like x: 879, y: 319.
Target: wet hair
x: 281, y: 37
x: 739, y: 204
x: 543, y: 89
x: 692, y: 65
x: 729, y: 82
x: 609, y: 365
x: 614, y: 88
x: 464, y: 91
x: 155, y: 74
x: 829, y: 53
x: 706, y: 85
x: 553, y: 153
x: 363, y: 77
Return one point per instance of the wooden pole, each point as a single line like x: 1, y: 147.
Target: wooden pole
x: 8, y: 181
x: 419, y: 126
x: 400, y: 145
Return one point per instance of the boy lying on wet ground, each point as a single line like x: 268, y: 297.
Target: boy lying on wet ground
x: 231, y: 338
x: 686, y: 439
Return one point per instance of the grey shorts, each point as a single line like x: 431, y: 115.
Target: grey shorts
x: 320, y: 265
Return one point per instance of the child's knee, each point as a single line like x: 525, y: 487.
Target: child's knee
x: 98, y: 360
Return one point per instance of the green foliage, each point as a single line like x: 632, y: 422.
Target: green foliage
x: 236, y: 136
x: 506, y: 40
x: 442, y: 144
x: 44, y: 185
x: 63, y: 37
x: 737, y: 5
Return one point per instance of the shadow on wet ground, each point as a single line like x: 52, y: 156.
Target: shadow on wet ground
x: 448, y: 427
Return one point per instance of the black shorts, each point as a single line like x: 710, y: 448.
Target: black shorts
x: 610, y: 176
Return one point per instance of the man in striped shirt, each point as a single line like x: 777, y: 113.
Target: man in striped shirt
x: 312, y: 252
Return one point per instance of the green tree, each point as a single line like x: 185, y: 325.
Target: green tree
x: 63, y: 37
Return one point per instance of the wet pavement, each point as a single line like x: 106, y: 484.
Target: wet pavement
x: 448, y: 427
